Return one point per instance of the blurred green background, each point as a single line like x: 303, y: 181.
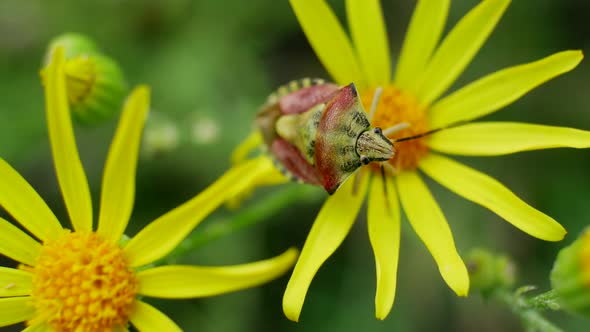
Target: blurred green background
x: 211, y: 64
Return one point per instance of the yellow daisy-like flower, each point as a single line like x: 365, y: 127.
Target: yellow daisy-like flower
x: 88, y: 280
x: 425, y: 70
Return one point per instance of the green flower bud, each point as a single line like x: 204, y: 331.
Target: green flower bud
x: 488, y: 271
x: 74, y: 45
x: 570, y: 277
x: 96, y: 87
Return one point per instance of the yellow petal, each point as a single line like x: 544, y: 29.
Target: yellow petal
x: 118, y: 183
x: 329, y: 41
x: 458, y: 48
x: 120, y: 329
x: 196, y: 281
x: 365, y: 19
x: 498, y: 138
x: 147, y: 318
x: 499, y: 89
x: 491, y: 194
x: 15, y: 310
x: 15, y: 282
x: 384, y: 233
x: 17, y: 245
x: 39, y: 327
x: 431, y: 226
x: 19, y: 199
x: 70, y: 174
x: 241, y: 152
x: 162, y: 235
x: 327, y: 233
x: 426, y: 26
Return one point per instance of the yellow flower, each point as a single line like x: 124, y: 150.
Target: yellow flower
x: 424, y: 73
x: 414, y: 96
x: 87, y: 279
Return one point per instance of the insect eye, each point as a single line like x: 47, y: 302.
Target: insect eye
x: 365, y: 160
x: 377, y: 130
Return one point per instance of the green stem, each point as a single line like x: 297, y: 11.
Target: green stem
x: 527, y: 310
x: 256, y: 213
x: 544, y: 301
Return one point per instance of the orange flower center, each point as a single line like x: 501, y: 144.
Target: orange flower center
x: 82, y: 283
x: 395, y: 107
x: 585, y: 257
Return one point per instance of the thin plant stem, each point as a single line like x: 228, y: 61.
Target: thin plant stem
x: 528, y: 313
x: 259, y: 212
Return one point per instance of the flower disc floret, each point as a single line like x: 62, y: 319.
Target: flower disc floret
x: 83, y: 283
x: 396, y: 106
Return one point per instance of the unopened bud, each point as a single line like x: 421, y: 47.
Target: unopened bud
x: 96, y: 88
x: 95, y: 84
x: 570, y: 277
x: 489, y: 271
x: 74, y: 45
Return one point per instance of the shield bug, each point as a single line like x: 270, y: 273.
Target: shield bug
x: 318, y: 132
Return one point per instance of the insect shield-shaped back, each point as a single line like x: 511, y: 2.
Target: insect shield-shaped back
x: 318, y: 132
x: 343, y: 122
x: 280, y: 119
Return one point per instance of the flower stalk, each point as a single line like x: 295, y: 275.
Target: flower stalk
x: 251, y: 216
x: 494, y: 276
x: 528, y: 310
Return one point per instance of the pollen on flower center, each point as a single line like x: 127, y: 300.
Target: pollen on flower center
x: 395, y: 107
x: 83, y: 283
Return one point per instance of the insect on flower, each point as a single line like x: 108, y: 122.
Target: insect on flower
x: 319, y: 132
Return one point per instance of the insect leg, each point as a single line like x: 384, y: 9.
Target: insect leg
x: 389, y: 168
x: 358, y: 177
x: 385, y: 191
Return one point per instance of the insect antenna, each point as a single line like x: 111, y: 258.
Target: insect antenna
x: 409, y: 138
x: 430, y: 132
x: 402, y: 125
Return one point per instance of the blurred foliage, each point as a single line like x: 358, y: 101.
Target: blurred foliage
x: 216, y: 61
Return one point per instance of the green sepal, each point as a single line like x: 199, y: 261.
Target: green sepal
x: 570, y: 276
x: 106, y: 94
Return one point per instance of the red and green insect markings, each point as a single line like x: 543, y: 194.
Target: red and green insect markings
x: 319, y: 133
